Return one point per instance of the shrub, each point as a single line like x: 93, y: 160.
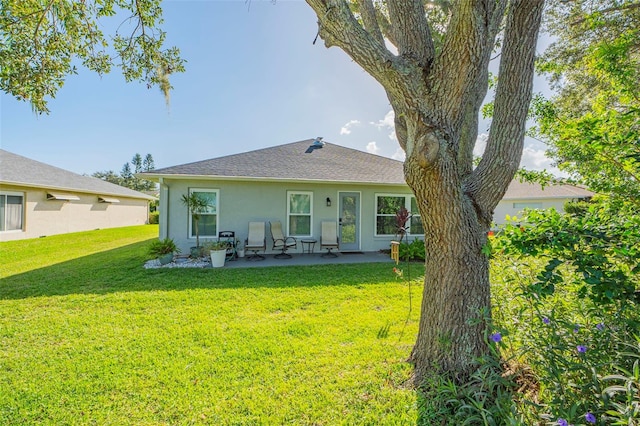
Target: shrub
x: 412, y: 251
x: 154, y: 218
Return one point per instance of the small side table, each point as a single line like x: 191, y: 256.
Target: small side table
x: 310, y: 244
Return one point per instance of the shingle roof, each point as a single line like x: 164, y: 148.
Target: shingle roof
x: 523, y: 190
x: 331, y: 163
x: 18, y: 170
x: 293, y: 162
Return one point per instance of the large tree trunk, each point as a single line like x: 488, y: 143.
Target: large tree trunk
x: 456, y: 284
x: 436, y: 93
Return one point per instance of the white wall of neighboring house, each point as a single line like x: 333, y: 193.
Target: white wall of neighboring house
x: 43, y: 217
x: 515, y: 207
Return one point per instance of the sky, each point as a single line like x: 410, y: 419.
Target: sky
x: 254, y: 79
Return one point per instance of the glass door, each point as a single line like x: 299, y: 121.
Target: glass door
x: 349, y: 221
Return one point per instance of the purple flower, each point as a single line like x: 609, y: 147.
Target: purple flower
x: 590, y: 418
x: 562, y: 422
x: 496, y: 337
x: 576, y: 328
x: 547, y: 321
x: 581, y: 349
x: 600, y: 326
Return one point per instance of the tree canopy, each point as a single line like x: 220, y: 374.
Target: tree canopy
x: 593, y: 123
x: 42, y: 43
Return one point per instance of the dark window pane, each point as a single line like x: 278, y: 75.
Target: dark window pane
x: 416, y: 226
x: 299, y: 225
x: 386, y: 225
x: 206, y: 226
x: 389, y: 205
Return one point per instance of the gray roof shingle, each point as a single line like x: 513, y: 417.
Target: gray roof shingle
x: 18, y: 170
x: 291, y: 161
x: 331, y: 163
x: 526, y: 191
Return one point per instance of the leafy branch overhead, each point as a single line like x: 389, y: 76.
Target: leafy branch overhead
x: 44, y: 42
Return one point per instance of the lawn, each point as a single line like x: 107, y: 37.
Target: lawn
x: 88, y: 336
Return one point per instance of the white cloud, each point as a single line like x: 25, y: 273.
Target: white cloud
x: 372, y: 148
x: 387, y: 123
x: 481, y: 144
x: 399, y: 155
x: 346, y: 129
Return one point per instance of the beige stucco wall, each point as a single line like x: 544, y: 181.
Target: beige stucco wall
x: 243, y: 202
x: 44, y: 217
x: 512, y: 207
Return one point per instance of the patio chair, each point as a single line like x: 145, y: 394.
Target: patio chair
x: 229, y: 237
x: 256, y: 240
x: 280, y: 242
x: 329, y: 238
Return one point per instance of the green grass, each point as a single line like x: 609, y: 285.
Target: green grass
x: 87, y: 336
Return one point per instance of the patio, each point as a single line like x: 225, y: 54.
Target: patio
x: 311, y: 259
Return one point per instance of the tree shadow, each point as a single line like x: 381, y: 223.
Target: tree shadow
x: 121, y: 270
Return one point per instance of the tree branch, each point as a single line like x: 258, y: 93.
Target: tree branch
x: 368, y: 12
x: 456, y: 71
x: 411, y: 31
x: 338, y: 27
x: 513, y: 96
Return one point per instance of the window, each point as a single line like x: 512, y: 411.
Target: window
x: 299, y: 218
x: 208, y: 223
x: 387, y: 205
x: 11, y: 211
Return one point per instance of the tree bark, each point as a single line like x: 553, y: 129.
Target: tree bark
x: 436, y: 96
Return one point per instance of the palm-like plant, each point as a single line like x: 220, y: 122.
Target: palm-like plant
x: 197, y: 205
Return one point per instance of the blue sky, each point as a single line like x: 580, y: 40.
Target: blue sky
x: 254, y: 79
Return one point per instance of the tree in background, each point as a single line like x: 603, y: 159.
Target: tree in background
x: 435, y: 78
x: 127, y: 176
x: 592, y: 125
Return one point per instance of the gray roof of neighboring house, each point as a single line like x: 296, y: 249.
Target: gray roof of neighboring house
x: 331, y: 163
x: 526, y: 191
x: 18, y: 170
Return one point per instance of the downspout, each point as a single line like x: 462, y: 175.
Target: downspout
x: 164, y: 210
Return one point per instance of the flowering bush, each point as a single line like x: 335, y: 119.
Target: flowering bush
x: 565, y: 291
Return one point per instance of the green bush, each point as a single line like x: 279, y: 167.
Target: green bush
x: 154, y: 218
x: 412, y: 251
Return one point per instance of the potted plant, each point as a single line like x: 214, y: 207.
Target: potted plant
x: 218, y: 252
x: 239, y: 248
x: 196, y: 205
x: 163, y: 250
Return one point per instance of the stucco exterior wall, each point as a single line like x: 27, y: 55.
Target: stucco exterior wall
x: 44, y: 217
x: 244, y: 202
x: 514, y: 207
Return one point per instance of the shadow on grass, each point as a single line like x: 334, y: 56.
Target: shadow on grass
x: 121, y: 270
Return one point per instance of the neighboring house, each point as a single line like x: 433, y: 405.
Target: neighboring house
x: 37, y: 200
x: 300, y: 184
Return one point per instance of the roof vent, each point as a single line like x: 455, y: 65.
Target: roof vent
x: 317, y: 144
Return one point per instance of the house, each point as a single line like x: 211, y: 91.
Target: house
x: 300, y: 184
x: 38, y: 199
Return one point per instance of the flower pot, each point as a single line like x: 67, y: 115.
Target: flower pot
x: 218, y: 257
x: 165, y: 258
x: 240, y: 252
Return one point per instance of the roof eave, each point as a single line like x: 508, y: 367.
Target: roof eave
x: 81, y: 191
x: 157, y: 177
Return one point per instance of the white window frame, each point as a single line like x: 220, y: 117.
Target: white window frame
x: 289, y: 214
x: 407, y: 205
x: 4, y: 216
x: 216, y: 211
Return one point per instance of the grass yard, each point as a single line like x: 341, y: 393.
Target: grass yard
x: 87, y: 336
